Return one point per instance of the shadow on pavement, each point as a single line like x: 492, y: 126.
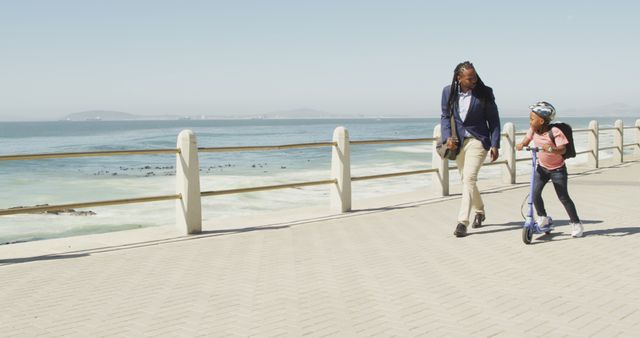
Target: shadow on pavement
x: 613, y: 232
x: 40, y: 258
x: 510, y: 226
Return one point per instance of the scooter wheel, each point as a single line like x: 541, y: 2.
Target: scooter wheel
x: 527, y: 235
x: 547, y: 232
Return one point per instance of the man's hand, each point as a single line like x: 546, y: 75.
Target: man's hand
x: 494, y: 154
x: 452, y: 143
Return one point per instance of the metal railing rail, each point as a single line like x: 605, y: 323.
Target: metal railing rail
x: 43, y: 208
x: 88, y: 154
x: 157, y: 151
x: 262, y: 148
x: 496, y: 162
x: 266, y: 187
x: 408, y: 140
x: 395, y: 174
x: 608, y: 148
x: 581, y: 130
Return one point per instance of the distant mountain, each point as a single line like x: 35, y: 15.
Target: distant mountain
x: 100, y: 115
x: 302, y: 113
x: 105, y: 115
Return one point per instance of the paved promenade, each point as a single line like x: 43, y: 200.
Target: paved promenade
x: 384, y: 270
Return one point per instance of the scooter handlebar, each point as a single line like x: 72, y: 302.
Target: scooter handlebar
x: 532, y: 148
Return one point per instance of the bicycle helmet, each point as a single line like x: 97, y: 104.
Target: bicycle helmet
x: 544, y: 110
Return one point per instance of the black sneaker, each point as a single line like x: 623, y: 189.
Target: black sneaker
x: 477, y: 222
x: 461, y: 230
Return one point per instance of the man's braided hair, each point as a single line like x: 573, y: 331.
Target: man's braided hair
x: 480, y: 90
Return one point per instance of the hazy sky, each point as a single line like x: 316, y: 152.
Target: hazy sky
x: 345, y: 57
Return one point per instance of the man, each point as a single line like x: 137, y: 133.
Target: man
x: 478, y: 128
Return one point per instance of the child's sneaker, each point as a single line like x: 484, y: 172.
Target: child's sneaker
x: 577, y: 229
x: 544, y: 221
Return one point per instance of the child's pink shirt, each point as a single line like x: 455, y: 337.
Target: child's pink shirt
x: 548, y: 160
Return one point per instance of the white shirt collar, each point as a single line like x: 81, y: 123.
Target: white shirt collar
x: 461, y: 93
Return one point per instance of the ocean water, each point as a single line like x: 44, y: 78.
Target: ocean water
x: 70, y: 180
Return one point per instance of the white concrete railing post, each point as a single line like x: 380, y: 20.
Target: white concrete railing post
x: 441, y: 177
x: 637, y: 137
x: 594, y: 141
x: 341, y: 171
x: 509, y: 154
x: 188, y: 208
x: 619, y: 142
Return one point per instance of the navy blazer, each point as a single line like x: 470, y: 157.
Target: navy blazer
x: 482, y: 120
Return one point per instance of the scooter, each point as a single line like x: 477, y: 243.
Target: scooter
x: 530, y: 225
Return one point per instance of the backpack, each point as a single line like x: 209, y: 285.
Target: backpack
x: 568, y: 133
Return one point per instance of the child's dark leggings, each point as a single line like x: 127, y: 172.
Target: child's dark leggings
x: 559, y: 179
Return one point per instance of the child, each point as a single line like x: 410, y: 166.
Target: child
x: 550, y: 163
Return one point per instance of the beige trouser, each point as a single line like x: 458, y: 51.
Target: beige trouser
x: 469, y: 162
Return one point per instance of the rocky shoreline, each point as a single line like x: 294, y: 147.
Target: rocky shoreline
x: 67, y: 211
x: 148, y: 171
